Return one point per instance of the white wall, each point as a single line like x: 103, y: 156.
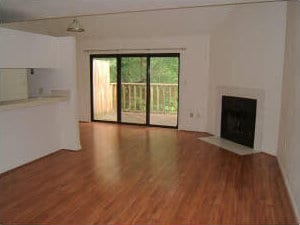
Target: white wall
x: 30, y: 133
x: 233, y: 45
x: 245, y: 43
x: 288, y: 147
x: 193, y: 77
x: 247, y: 51
x: 26, y: 50
x: 183, y: 28
x: 62, y: 77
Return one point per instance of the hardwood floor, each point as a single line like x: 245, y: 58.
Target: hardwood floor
x: 138, y: 175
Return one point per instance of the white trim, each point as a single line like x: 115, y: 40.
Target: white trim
x: 288, y: 187
x: 134, y: 50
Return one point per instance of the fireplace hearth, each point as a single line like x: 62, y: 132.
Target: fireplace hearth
x: 238, y: 120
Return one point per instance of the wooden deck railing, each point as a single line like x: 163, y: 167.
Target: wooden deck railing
x: 163, y: 97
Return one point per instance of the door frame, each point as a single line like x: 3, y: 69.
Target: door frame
x: 119, y: 91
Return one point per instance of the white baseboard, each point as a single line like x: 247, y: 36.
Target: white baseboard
x: 287, y: 184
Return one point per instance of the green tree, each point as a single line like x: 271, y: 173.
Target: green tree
x: 133, y: 69
x: 164, y: 70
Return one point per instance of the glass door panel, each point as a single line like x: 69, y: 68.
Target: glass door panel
x: 133, y: 89
x: 104, y: 89
x: 164, y: 90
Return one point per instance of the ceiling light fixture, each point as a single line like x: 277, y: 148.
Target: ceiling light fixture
x: 75, y: 26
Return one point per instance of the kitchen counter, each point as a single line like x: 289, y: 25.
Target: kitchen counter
x: 31, y: 102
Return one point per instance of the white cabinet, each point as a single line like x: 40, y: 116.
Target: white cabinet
x: 13, y: 84
x: 20, y: 49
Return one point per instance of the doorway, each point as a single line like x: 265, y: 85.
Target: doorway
x: 135, y: 89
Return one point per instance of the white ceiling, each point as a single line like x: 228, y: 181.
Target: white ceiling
x: 22, y: 10
x: 134, y: 25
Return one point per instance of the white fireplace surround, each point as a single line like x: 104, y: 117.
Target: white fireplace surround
x: 252, y: 93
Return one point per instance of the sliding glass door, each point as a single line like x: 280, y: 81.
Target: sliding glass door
x: 135, y: 89
x: 104, y: 91
x: 133, y: 83
x: 164, y: 90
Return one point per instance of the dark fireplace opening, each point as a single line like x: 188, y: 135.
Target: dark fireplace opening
x: 238, y: 120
